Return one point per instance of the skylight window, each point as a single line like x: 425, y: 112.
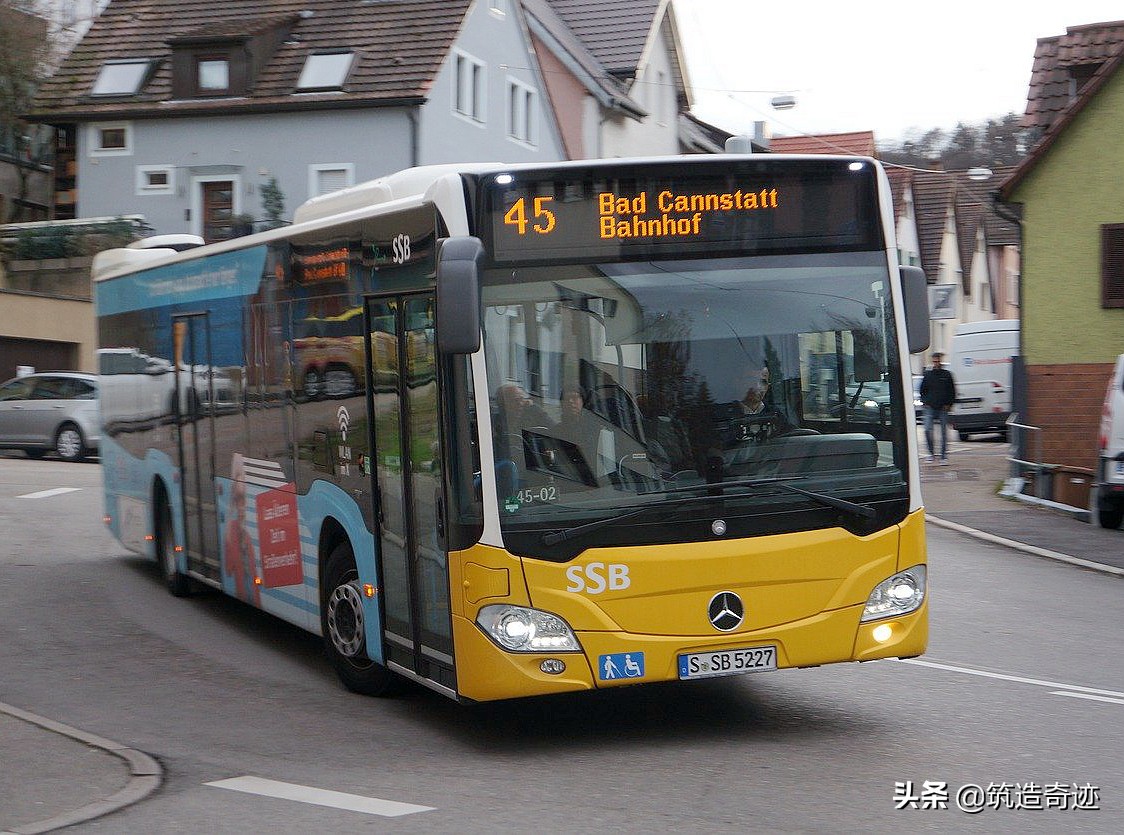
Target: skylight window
x: 121, y: 78
x: 325, y: 71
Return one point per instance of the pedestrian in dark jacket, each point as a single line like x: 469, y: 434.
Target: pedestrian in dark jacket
x: 938, y: 393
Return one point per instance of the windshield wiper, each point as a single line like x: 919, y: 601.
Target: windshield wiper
x: 862, y: 510
x: 588, y: 527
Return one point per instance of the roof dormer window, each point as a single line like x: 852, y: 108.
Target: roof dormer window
x: 325, y: 71
x: 212, y: 74
x: 121, y: 78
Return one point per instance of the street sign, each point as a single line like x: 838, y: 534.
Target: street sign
x: 942, y: 301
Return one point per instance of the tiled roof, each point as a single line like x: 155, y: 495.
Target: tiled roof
x: 615, y: 31
x: 695, y: 135
x: 1062, y: 60
x: 900, y: 179
x: 979, y: 195
x: 860, y: 143
x: 399, y: 44
x: 1061, y: 119
x: 604, y: 86
x: 932, y: 196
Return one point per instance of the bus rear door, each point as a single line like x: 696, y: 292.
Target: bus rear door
x: 195, y: 427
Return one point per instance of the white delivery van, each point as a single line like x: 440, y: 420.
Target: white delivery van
x: 980, y: 361
x: 1106, y: 499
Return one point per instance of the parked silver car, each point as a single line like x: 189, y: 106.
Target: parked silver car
x: 50, y: 411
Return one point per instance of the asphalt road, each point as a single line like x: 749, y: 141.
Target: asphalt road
x: 1023, y: 683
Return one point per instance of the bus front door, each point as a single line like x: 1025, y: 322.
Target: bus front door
x: 408, y: 487
x: 195, y: 427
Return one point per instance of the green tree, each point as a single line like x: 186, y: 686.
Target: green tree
x: 23, y: 54
x: 273, y: 203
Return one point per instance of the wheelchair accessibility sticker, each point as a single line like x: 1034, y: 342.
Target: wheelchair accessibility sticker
x: 620, y: 665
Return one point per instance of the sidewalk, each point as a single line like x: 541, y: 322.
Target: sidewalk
x: 965, y: 496
x: 55, y: 776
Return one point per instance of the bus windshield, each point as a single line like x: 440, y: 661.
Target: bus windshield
x: 621, y: 385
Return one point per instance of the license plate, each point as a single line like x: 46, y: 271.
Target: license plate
x: 727, y: 662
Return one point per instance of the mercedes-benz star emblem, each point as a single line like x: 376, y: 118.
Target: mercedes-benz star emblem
x: 725, y: 611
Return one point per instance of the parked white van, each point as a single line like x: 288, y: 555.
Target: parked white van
x: 980, y: 362
x: 1106, y: 499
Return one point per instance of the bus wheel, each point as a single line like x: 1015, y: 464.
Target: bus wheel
x: 341, y: 619
x: 178, y: 584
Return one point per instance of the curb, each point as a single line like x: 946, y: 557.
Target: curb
x: 145, y: 776
x: 1021, y: 546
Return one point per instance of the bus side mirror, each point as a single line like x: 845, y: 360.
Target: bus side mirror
x: 915, y: 294
x: 458, y: 296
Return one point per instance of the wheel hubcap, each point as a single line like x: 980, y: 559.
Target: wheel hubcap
x: 345, y: 619
x: 70, y: 443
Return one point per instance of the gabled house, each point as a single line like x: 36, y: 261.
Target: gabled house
x: 1068, y: 191
x: 989, y: 250
x: 184, y: 110
x: 616, y: 77
x: 905, y: 215
x: 935, y: 206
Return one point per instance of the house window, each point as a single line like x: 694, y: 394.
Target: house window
x: 156, y: 179
x: 325, y: 71
x: 120, y: 78
x: 985, y: 298
x: 520, y: 112
x: 111, y: 139
x: 1112, y: 265
x: 212, y: 74
x: 468, y: 89
x: 329, y: 177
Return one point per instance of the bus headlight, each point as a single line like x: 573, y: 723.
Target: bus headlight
x: 519, y: 629
x: 897, y: 595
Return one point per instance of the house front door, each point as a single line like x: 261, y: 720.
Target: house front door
x: 218, y: 210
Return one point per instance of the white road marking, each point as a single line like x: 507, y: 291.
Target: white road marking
x: 1072, y: 689
x: 46, y: 494
x: 319, y: 797
x: 1088, y: 696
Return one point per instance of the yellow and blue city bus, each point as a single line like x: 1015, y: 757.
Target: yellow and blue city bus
x: 604, y: 422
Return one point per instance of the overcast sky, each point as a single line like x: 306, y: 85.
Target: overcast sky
x: 891, y: 67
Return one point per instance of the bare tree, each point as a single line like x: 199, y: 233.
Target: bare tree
x: 991, y: 144
x: 23, y: 53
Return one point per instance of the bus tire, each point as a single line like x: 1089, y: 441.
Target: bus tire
x: 341, y: 620
x: 177, y: 583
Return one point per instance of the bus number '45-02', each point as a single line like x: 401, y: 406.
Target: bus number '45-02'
x: 544, y: 218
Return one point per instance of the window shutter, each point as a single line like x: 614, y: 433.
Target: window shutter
x: 1112, y: 265
x: 330, y: 179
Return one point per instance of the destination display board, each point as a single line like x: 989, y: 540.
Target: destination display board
x: 723, y: 206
